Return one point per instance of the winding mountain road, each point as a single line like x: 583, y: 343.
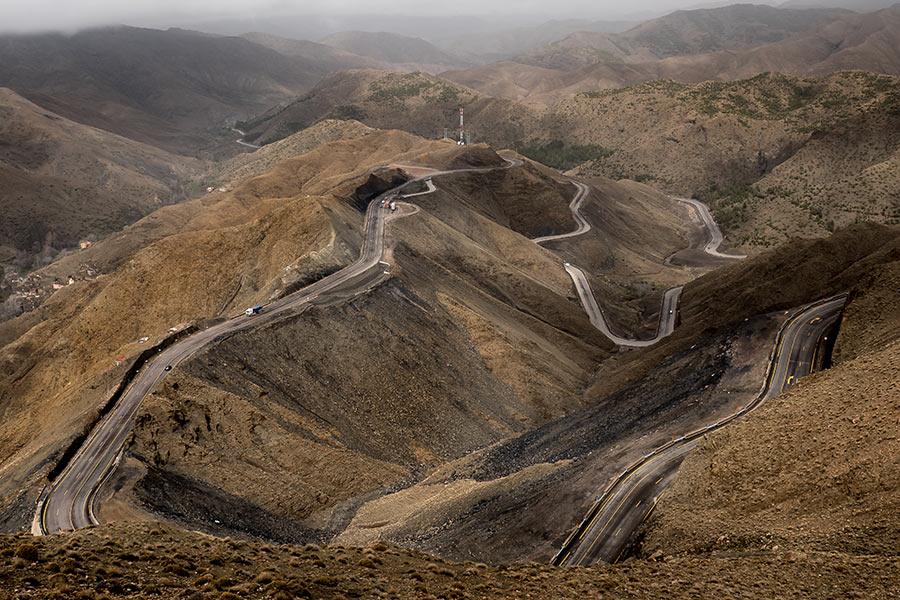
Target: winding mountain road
x: 605, y: 531
x: 670, y: 299
x: 69, y: 503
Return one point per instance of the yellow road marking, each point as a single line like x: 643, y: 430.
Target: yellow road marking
x: 658, y: 480
x: 618, y: 531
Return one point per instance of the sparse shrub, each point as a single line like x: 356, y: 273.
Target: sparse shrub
x: 326, y: 581
x: 265, y: 577
x: 367, y: 562
x: 27, y: 552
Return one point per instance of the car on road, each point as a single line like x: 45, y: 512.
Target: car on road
x: 168, y: 367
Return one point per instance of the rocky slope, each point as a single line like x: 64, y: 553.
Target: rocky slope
x: 185, y: 263
x: 475, y: 338
x: 65, y: 183
x: 722, y: 44
x: 815, y: 470
x: 775, y: 157
x: 174, y: 89
x: 416, y: 102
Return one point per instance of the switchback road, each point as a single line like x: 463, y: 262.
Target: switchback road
x: 716, y: 237
x: 670, y: 299
x: 69, y: 503
x: 632, y: 496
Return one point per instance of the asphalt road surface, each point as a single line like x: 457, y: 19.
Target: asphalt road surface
x: 69, y: 504
x: 595, y: 313
x: 669, y: 306
x: 241, y: 139
x: 716, y: 237
x: 575, y: 206
x: 605, y: 531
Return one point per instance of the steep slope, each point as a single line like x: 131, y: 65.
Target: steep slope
x: 400, y: 51
x: 487, y: 47
x: 822, y: 43
x: 324, y: 58
x: 167, y: 88
x: 519, y: 499
x: 813, y: 471
x: 682, y: 33
x: 65, y: 182
x: 185, y: 263
x: 165, y: 561
x: 416, y: 102
x: 775, y: 157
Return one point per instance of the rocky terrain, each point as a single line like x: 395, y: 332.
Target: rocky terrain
x: 65, y: 184
x: 735, y: 42
x: 186, y: 87
x: 776, y: 157
x: 827, y: 480
x: 152, y: 561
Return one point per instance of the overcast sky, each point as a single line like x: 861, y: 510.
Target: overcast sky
x: 43, y: 15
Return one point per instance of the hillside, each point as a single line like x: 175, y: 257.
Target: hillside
x: 416, y: 102
x: 491, y: 46
x: 65, y: 182
x: 321, y: 57
x: 776, y: 157
x: 174, y: 89
x: 152, y: 561
x: 400, y: 51
x: 682, y: 33
x: 813, y: 471
x: 805, y: 43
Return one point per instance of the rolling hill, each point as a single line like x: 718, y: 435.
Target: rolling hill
x: 65, y: 182
x: 808, y: 43
x: 399, y: 51
x: 174, y: 89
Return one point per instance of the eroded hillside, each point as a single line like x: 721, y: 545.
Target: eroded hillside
x: 65, y: 182
x: 814, y: 470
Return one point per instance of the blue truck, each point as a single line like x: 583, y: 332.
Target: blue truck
x: 253, y: 310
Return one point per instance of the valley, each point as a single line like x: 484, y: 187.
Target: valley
x: 584, y: 309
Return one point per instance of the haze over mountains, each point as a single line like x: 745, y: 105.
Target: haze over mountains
x: 419, y: 370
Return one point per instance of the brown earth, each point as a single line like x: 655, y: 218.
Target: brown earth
x: 152, y: 561
x: 416, y: 102
x: 814, y: 470
x: 186, y: 84
x: 258, y: 162
x: 65, y: 182
x: 776, y: 157
x: 735, y: 42
x: 190, y: 262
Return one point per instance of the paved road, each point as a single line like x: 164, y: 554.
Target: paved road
x: 605, y: 531
x: 669, y: 306
x: 595, y: 313
x: 241, y: 139
x: 716, y: 237
x: 69, y: 504
x: 575, y: 206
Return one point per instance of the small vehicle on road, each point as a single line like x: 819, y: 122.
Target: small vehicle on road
x: 168, y: 367
x: 253, y: 310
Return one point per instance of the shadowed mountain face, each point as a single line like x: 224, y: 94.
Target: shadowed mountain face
x: 64, y: 182
x: 167, y: 88
x: 394, y: 49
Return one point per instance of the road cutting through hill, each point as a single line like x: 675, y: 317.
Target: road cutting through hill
x: 605, y: 531
x: 669, y: 304
x: 69, y: 502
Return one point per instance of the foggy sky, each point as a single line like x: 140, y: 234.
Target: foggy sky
x: 60, y: 15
